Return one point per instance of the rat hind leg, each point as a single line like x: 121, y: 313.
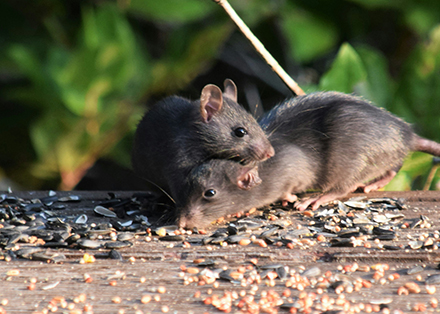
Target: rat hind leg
x: 379, y: 182
x: 326, y: 197
x: 317, y: 201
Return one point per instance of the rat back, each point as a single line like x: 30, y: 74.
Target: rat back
x: 354, y: 140
x: 163, y: 140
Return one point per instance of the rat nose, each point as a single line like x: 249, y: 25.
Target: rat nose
x: 270, y: 152
x: 181, y: 223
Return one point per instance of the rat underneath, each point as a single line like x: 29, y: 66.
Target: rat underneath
x: 178, y: 134
x: 328, y: 141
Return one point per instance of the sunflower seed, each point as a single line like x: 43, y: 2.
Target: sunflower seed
x: 70, y: 198
x: 356, y: 204
x: 117, y: 244
x: 312, y: 272
x: 104, y: 212
x: 415, y: 245
x: 433, y: 279
x: 172, y: 238
x: 89, y: 244
x: 415, y: 270
x: 82, y: 219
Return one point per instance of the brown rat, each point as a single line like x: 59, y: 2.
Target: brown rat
x: 221, y: 187
x: 328, y: 141
x: 177, y: 134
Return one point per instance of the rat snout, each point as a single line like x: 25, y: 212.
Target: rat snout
x: 270, y: 152
x: 189, y: 218
x: 181, y: 223
x: 264, y: 151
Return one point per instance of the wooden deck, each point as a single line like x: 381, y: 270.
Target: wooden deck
x: 113, y: 286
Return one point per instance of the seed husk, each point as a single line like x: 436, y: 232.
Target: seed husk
x: 433, y: 279
x: 312, y: 272
x: 82, y: 219
x: 50, y: 286
x: 89, y: 244
x: 70, y: 198
x: 101, y: 210
x: 385, y: 300
x: 117, y: 244
x: 415, y: 270
x: 176, y: 238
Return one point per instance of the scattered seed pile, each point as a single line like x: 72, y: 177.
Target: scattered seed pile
x: 300, y: 290
x: 30, y: 228
x: 52, y: 222
x: 49, y: 227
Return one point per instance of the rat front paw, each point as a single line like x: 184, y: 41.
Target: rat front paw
x: 288, y: 198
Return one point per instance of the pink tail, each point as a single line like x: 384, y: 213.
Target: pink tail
x: 427, y: 146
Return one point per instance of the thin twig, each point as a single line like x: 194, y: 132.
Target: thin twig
x: 430, y: 177
x: 260, y: 47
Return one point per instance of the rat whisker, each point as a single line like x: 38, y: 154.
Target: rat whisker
x: 162, y: 190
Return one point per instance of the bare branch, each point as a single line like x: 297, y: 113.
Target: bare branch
x: 260, y: 47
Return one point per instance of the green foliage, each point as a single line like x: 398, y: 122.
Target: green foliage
x: 379, y: 87
x: 89, y: 93
x: 172, y: 11
x: 309, y: 37
x: 184, y: 60
x: 82, y: 74
x: 346, y: 73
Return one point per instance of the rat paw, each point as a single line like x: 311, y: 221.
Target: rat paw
x: 315, y: 202
x: 302, y: 205
x: 288, y: 198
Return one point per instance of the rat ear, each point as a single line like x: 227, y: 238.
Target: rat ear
x: 211, y: 101
x: 248, y: 179
x: 230, y: 89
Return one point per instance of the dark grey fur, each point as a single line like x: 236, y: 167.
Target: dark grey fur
x: 328, y: 141
x: 173, y: 138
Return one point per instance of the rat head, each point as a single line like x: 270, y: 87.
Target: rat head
x: 227, y: 130
x: 215, y: 189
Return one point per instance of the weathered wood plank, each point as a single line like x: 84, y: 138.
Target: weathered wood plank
x: 159, y: 263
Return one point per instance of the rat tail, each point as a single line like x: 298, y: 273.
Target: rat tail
x: 427, y: 146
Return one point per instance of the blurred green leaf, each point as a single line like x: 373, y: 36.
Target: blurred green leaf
x: 378, y: 3
x: 45, y: 134
x: 172, y: 11
x: 108, y: 61
x: 401, y: 182
x: 422, y: 16
x: 178, y: 69
x: 28, y: 63
x: 416, y: 164
x: 379, y: 88
x: 418, y: 97
x: 89, y: 91
x: 346, y: 72
x: 254, y: 11
x: 43, y: 91
x: 308, y: 36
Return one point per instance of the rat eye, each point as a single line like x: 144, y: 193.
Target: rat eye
x: 240, y: 132
x: 209, y: 193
